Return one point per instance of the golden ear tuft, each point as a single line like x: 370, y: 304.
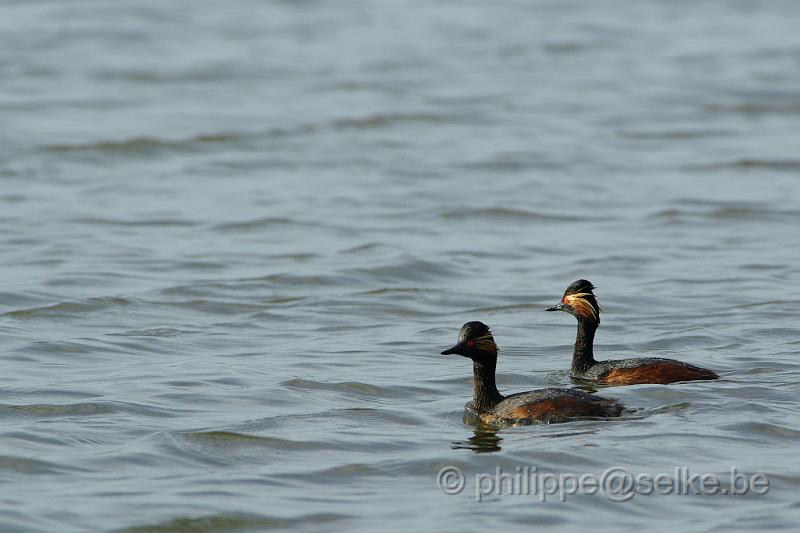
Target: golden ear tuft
x: 583, y: 306
x: 485, y: 342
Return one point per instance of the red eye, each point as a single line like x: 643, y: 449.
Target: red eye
x: 565, y: 300
x: 470, y: 343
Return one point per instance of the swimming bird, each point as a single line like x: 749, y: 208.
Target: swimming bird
x: 580, y: 302
x: 475, y: 341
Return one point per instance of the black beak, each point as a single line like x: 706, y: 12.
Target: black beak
x: 558, y: 307
x: 454, y: 350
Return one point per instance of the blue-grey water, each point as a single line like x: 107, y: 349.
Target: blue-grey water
x: 235, y: 236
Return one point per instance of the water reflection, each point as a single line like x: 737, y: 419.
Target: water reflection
x: 484, y: 440
x: 586, y: 386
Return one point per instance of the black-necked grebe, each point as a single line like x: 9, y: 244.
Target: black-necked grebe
x: 580, y: 302
x: 475, y: 341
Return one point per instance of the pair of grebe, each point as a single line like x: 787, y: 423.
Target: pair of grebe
x: 475, y: 341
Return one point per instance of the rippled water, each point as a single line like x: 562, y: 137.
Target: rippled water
x: 234, y: 237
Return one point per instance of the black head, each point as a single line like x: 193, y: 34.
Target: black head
x: 474, y: 341
x: 579, y: 301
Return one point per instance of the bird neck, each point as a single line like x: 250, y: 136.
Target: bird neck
x: 486, y: 393
x: 583, y: 356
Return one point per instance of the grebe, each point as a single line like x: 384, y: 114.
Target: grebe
x: 580, y: 302
x: 475, y: 341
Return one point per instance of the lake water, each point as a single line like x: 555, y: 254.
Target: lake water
x: 235, y: 236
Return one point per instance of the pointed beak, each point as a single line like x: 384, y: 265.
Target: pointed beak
x: 558, y: 307
x: 453, y: 350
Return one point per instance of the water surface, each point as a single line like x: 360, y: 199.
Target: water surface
x: 235, y: 236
